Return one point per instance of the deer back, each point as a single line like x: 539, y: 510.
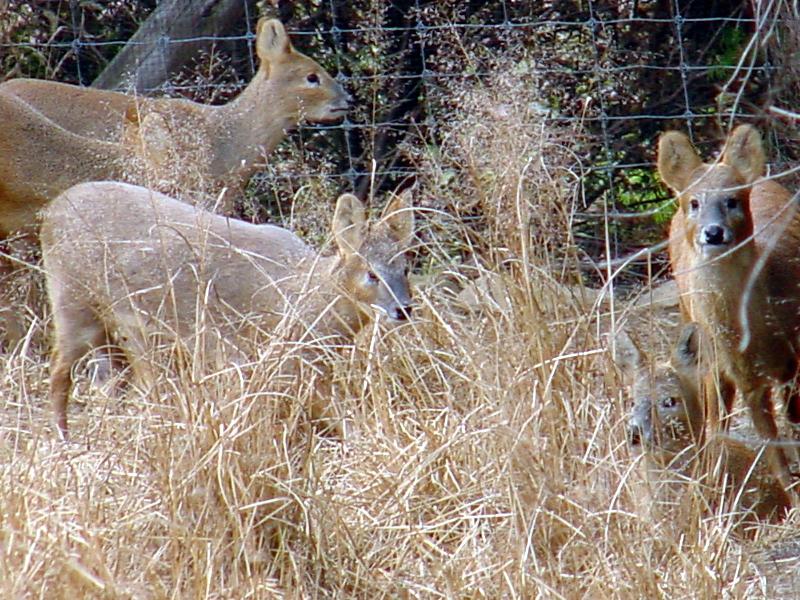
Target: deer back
x: 133, y: 251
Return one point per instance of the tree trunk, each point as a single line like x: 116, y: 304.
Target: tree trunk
x: 155, y: 51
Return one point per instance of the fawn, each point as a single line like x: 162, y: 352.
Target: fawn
x: 668, y: 423
x: 735, y: 253
x: 125, y: 265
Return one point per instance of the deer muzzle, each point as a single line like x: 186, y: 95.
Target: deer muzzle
x: 402, y: 313
x: 716, y: 235
x: 640, y: 427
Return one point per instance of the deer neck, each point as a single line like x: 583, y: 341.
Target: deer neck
x: 720, y: 287
x: 248, y: 128
x: 717, y: 282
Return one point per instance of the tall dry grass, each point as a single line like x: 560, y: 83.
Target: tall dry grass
x: 486, y: 453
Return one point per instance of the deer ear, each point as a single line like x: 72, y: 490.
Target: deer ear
x: 677, y: 160
x: 349, y: 223
x: 626, y: 354
x: 685, y: 354
x: 272, y: 42
x: 398, y: 216
x: 744, y: 151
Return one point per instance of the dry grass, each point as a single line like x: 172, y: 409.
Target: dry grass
x: 486, y: 458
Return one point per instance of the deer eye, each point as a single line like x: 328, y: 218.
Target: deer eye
x: 732, y: 203
x: 670, y: 402
x: 694, y: 204
x: 312, y: 78
x: 372, y: 277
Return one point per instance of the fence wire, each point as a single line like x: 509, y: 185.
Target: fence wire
x: 588, y: 61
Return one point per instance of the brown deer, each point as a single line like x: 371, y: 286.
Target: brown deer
x: 735, y: 252
x: 186, y: 145
x: 668, y: 425
x: 124, y: 263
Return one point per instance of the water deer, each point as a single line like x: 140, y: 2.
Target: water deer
x: 735, y: 253
x: 56, y: 135
x: 183, y: 145
x: 128, y: 266
x: 668, y: 425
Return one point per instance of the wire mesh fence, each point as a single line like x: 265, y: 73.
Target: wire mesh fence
x: 615, y: 73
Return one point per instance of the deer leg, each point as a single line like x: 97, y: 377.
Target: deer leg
x: 138, y: 350
x: 791, y: 404
x: 727, y: 392
x: 60, y: 387
x: 759, y: 401
x: 792, y: 401
x: 323, y: 408
x: 105, y: 363
x: 10, y: 320
x: 13, y: 277
x: 77, y: 331
x: 320, y: 407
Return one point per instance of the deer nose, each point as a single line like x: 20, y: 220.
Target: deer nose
x: 714, y: 235
x: 403, y: 313
x: 635, y: 434
x: 343, y: 94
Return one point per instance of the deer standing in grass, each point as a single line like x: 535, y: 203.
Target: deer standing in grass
x: 55, y: 135
x: 124, y: 263
x: 184, y: 145
x: 728, y: 223
x: 668, y: 423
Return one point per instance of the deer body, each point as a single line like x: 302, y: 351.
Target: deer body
x: 124, y: 263
x: 727, y: 223
x: 668, y: 425
x: 176, y: 144
x: 31, y: 175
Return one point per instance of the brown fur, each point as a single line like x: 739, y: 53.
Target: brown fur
x: 29, y: 177
x: 39, y: 159
x: 182, y: 144
x: 668, y: 424
x: 721, y: 206
x: 124, y: 263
